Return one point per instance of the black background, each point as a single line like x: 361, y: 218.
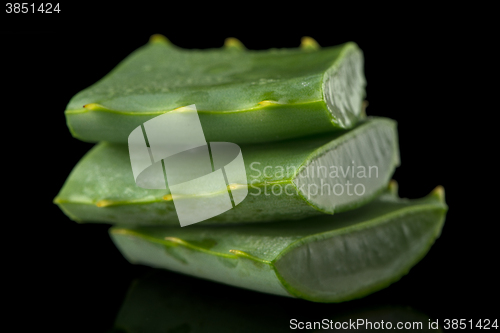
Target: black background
x: 70, y: 276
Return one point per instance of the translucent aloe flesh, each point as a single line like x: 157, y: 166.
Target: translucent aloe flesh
x: 322, y: 259
x: 242, y: 96
x: 286, y: 180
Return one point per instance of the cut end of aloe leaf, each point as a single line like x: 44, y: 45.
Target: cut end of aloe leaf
x: 365, y: 261
x: 352, y: 170
x: 344, y: 88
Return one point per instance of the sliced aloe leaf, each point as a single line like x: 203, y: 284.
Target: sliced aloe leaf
x: 168, y: 302
x: 322, y: 259
x: 286, y: 180
x: 242, y: 96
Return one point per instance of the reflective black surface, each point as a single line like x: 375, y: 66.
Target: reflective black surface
x: 70, y: 277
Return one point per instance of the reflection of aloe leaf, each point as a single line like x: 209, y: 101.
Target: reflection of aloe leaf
x: 323, y: 259
x: 286, y: 180
x: 243, y: 96
x: 167, y: 302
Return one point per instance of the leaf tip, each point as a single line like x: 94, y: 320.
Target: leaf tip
x: 242, y: 254
x: 233, y: 43
x: 393, y: 187
x: 239, y: 253
x: 268, y: 102
x: 119, y: 231
x: 309, y: 43
x: 439, y: 192
x: 159, y: 39
x: 176, y: 241
x: 103, y: 203
x: 93, y: 106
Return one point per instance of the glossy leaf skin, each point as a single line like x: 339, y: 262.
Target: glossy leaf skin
x: 321, y: 259
x: 241, y: 96
x: 101, y: 187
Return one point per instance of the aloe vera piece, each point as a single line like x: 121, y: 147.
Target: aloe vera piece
x: 168, y: 302
x: 242, y: 96
x: 321, y: 259
x: 286, y: 180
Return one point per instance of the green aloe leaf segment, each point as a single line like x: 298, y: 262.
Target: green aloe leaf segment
x: 292, y: 179
x: 322, y: 259
x: 242, y: 96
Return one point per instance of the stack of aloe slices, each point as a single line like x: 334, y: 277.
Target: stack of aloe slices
x: 322, y: 220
